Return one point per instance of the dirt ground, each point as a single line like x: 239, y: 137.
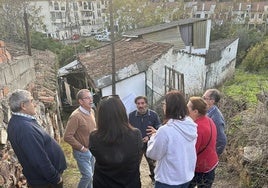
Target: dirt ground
x: 72, y: 176
x: 223, y: 178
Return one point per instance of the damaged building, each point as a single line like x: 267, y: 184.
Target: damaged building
x: 151, y: 61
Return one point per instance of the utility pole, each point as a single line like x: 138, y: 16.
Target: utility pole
x: 112, y: 46
x: 28, y: 38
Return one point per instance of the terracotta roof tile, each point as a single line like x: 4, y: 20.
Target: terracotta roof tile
x: 98, y: 62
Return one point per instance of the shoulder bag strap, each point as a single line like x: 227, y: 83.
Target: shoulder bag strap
x: 208, y: 140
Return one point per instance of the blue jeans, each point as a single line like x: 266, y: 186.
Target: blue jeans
x: 163, y: 185
x: 85, y: 163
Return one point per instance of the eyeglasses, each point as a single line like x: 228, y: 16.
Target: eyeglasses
x: 88, y: 97
x: 30, y: 101
x: 109, y: 96
x: 206, y: 98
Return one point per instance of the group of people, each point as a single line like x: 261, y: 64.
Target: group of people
x: 181, y: 151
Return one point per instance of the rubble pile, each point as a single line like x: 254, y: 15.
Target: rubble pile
x: 246, y: 153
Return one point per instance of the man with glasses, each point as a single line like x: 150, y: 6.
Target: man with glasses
x: 212, y: 97
x: 145, y: 120
x: 41, y: 157
x: 79, y: 126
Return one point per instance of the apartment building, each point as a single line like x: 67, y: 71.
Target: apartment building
x: 64, y: 19
x: 254, y: 14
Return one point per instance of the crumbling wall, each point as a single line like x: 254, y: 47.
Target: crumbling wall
x: 37, y: 74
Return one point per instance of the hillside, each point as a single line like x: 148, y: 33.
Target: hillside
x: 245, y: 107
x: 244, y: 162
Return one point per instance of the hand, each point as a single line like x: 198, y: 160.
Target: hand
x: 145, y: 139
x: 60, y: 180
x: 84, y: 149
x: 150, y: 130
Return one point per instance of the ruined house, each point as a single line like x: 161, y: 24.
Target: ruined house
x: 151, y: 61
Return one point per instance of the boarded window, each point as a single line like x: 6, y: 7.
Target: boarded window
x: 199, y: 34
x: 194, y: 34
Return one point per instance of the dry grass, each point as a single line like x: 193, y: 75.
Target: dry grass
x: 71, y: 175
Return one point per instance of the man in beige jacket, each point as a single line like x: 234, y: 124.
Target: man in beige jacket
x: 79, y: 126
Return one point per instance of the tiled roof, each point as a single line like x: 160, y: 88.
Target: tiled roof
x: 98, y: 62
x: 155, y: 28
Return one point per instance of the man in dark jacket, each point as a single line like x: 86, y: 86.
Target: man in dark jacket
x: 144, y: 118
x: 41, y: 157
x: 212, y: 97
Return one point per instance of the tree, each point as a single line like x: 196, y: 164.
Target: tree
x: 14, y: 10
x: 132, y: 14
x: 257, y: 57
x: 247, y: 37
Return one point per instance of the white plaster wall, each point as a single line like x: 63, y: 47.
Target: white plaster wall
x: 197, y: 75
x: 122, y: 74
x: 132, y: 85
x: 193, y: 68
x: 128, y: 89
x: 224, y: 68
x: 156, y: 75
x: 44, y: 13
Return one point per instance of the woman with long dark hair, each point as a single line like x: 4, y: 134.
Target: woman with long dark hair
x: 116, y: 146
x: 173, y: 145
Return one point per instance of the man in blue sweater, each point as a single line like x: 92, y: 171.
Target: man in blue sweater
x: 212, y: 97
x: 143, y: 119
x: 41, y: 157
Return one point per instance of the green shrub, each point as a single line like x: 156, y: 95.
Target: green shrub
x: 256, y: 59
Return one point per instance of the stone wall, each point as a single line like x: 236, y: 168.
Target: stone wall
x: 17, y: 73
x: 37, y: 74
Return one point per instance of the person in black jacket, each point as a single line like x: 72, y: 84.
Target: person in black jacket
x: 116, y: 146
x: 41, y: 157
x: 145, y: 119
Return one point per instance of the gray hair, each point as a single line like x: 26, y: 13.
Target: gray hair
x: 17, y: 97
x: 215, y: 94
x: 81, y: 93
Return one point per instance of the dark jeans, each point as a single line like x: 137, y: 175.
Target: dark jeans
x: 151, y: 162
x: 203, y: 180
x: 60, y: 185
x: 163, y: 185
